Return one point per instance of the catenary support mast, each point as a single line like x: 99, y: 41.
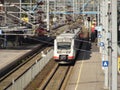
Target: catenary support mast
x: 114, y: 44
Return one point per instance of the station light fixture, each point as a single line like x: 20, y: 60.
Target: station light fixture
x: 1, y: 5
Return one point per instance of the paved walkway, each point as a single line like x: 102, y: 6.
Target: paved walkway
x: 87, y: 73
x: 8, y: 56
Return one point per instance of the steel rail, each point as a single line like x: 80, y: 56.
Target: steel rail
x: 32, y: 58
x: 56, y: 78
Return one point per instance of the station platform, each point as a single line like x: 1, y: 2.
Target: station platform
x: 87, y: 74
x: 10, y: 55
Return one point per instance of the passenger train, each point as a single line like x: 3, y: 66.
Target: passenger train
x: 66, y: 46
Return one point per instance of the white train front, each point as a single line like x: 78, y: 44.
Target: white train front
x: 66, y: 46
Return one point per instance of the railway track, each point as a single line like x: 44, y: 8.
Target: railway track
x: 30, y: 60
x: 22, y: 65
x: 17, y: 71
x: 18, y: 63
x: 57, y: 79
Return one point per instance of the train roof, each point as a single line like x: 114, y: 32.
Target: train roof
x: 69, y: 34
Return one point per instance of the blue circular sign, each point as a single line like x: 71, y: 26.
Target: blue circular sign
x: 101, y: 44
x: 99, y: 35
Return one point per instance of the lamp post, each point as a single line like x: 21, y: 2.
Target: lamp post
x: 20, y: 10
x: 48, y: 21
x: 73, y: 10
x: 114, y: 44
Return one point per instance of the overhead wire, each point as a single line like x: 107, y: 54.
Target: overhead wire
x: 83, y: 50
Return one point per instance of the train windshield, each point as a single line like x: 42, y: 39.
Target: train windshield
x: 63, y: 45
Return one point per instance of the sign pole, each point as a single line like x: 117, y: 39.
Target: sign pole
x: 106, y: 43
x: 114, y: 44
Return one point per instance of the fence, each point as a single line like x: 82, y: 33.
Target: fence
x: 21, y: 82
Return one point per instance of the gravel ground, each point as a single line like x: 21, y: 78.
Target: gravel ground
x: 41, y: 76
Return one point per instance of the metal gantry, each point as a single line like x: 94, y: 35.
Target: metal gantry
x: 58, y: 9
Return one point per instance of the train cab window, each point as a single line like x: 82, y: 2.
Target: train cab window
x: 63, y: 45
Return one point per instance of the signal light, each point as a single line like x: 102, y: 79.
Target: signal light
x: 88, y: 18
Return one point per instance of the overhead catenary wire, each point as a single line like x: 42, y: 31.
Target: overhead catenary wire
x: 83, y: 50
x: 50, y: 43
x: 75, y: 39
